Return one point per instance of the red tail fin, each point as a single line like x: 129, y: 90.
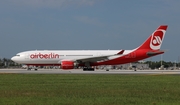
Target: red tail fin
x: 155, y: 40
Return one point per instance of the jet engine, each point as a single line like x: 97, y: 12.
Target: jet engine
x: 67, y: 65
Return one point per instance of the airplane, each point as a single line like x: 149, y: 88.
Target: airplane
x: 70, y: 59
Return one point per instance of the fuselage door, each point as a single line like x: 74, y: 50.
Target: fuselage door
x: 26, y: 56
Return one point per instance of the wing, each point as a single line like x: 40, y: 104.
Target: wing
x: 99, y: 58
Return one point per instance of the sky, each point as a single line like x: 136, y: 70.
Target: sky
x: 87, y: 25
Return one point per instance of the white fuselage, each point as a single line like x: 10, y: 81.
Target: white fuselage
x: 56, y: 56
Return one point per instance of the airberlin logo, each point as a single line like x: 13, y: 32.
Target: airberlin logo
x: 44, y: 56
x: 156, y: 39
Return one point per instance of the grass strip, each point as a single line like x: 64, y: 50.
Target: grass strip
x: 89, y: 89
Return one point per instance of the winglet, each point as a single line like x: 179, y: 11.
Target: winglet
x: 121, y: 52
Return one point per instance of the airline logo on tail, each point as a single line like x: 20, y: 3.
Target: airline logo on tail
x: 156, y: 39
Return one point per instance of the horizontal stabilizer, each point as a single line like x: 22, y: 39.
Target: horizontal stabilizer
x: 152, y: 53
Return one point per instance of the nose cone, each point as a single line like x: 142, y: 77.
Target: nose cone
x: 13, y: 59
x: 19, y: 58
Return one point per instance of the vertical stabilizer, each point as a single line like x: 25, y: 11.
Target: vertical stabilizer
x: 154, y: 42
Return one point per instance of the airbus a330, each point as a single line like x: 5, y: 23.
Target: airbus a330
x: 69, y: 59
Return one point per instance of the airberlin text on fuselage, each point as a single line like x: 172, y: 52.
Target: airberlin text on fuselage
x: 44, y: 56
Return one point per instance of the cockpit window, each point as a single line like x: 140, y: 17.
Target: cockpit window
x: 18, y: 55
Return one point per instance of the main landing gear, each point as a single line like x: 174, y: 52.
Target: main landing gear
x: 88, y: 69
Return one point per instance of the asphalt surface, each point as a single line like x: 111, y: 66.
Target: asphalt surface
x: 79, y: 71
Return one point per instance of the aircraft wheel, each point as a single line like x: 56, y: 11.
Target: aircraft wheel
x: 91, y: 69
x: 88, y: 69
x: 85, y: 69
x: 28, y: 68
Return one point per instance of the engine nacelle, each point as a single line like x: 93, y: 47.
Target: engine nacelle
x: 67, y: 65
